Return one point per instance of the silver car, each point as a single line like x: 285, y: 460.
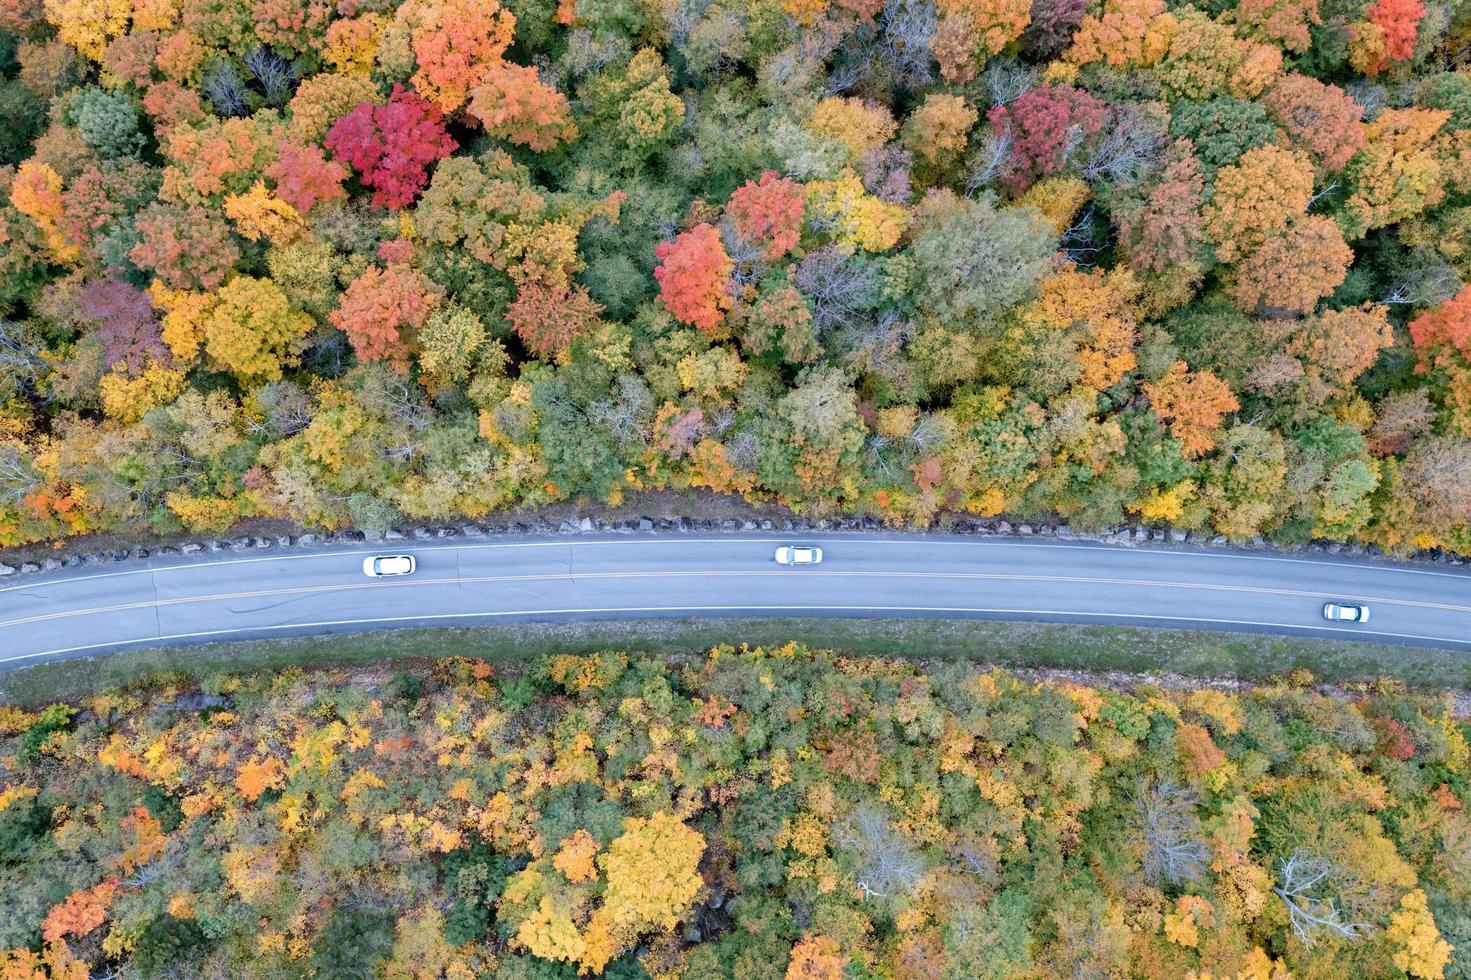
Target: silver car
x: 1345, y: 612
x: 382, y: 566
x: 798, y: 554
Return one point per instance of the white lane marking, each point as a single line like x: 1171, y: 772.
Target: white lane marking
x: 304, y: 590
x: 983, y: 542
x: 753, y: 608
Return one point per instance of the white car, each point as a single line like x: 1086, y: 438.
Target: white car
x: 1345, y: 612
x: 798, y: 555
x: 381, y: 566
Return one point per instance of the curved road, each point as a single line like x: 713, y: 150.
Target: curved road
x: 460, y: 582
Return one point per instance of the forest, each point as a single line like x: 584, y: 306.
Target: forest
x: 750, y: 814
x: 357, y: 262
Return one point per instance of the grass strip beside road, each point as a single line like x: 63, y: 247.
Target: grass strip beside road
x: 1133, y: 650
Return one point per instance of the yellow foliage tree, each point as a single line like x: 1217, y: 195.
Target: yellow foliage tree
x: 128, y: 398
x: 993, y: 24
x: 253, y: 871
x: 857, y: 219
x: 252, y: 330
x: 260, y: 214
x: 183, y: 317
x: 1420, y: 951
x: 550, y: 933
x: 36, y: 193
x: 1182, y: 926
x: 1397, y: 174
x: 936, y: 132
x: 88, y: 25
x: 652, y: 872
x: 857, y: 124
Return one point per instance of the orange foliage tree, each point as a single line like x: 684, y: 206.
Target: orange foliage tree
x: 1320, y: 118
x: 1386, y: 36
x: 1256, y: 199
x: 1339, y: 345
x: 382, y: 307
x: 456, y: 43
x: 817, y: 958
x: 549, y: 317
x: 81, y: 911
x: 1290, y: 272
x: 1193, y: 403
x: 514, y: 104
x: 1442, y: 339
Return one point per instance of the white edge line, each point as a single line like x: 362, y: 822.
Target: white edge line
x: 1359, y: 634
x: 985, y: 542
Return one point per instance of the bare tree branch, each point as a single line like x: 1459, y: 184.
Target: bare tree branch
x: 1313, y: 915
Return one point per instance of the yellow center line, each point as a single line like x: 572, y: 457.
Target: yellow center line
x: 725, y: 573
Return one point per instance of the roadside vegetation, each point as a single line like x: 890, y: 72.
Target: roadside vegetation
x: 1187, y: 654
x: 762, y: 814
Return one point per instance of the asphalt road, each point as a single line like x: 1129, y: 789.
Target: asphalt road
x: 220, y: 597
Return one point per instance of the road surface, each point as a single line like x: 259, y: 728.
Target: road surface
x: 466, y: 582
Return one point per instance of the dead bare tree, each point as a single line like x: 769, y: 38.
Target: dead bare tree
x: 1305, y: 878
x: 838, y: 288
x: 17, y: 476
x: 1129, y: 150
x: 285, y: 409
x: 906, y: 27
x: 889, y: 867
x: 627, y: 413
x: 1007, y: 79
x: 1169, y: 832
x: 989, y: 161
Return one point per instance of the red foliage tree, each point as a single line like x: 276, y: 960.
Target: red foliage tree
x: 769, y: 211
x: 1165, y: 226
x: 126, y: 324
x: 1045, y: 125
x: 1395, y: 740
x: 548, y: 318
x: 305, y: 177
x: 392, y: 146
x: 381, y: 308
x: 692, y: 278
